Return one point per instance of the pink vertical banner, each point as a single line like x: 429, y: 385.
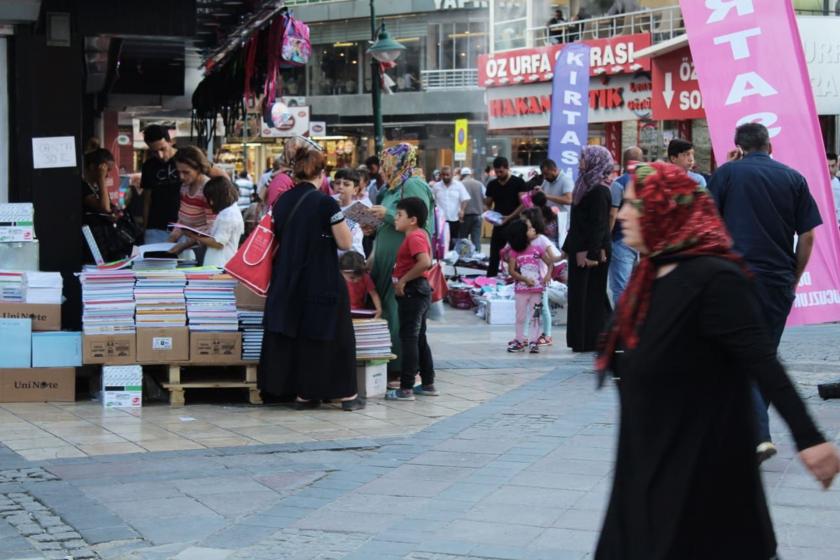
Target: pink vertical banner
x: 751, y: 67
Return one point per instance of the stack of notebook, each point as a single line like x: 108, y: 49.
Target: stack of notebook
x: 160, y: 298
x: 11, y: 286
x: 251, y: 325
x: 43, y: 287
x: 211, y: 302
x: 373, y: 339
x: 108, y: 301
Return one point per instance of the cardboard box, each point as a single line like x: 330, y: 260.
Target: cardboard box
x: 38, y: 385
x: 56, y: 349
x: 372, y: 378
x: 16, y: 337
x: 114, y: 349
x: 163, y: 345
x: 122, y: 386
x: 247, y: 299
x: 45, y: 317
x: 216, y: 347
x: 501, y: 312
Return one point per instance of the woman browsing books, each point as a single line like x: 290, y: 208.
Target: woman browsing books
x: 228, y: 226
x: 194, y: 211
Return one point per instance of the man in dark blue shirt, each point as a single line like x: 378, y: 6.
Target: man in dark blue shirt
x: 765, y: 205
x: 623, y: 257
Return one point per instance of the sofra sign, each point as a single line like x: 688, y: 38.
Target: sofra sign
x: 460, y: 4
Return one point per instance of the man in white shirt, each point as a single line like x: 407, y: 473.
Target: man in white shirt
x: 835, y: 182
x: 558, y: 188
x: 451, y: 197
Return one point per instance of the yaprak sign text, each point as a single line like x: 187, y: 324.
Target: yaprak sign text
x: 527, y: 66
x: 623, y: 98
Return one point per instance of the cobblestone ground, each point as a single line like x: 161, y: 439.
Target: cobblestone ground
x: 523, y: 476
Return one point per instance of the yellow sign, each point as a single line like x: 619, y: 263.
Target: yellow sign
x: 461, y: 139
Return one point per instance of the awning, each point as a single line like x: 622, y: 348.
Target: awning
x: 663, y: 47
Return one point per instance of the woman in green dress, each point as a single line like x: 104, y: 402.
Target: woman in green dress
x: 398, y: 170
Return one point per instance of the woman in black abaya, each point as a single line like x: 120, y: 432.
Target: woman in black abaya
x: 685, y: 345
x: 309, y: 348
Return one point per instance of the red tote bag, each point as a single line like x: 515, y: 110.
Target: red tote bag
x: 253, y: 262
x: 438, y: 282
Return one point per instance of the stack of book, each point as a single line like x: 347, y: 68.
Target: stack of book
x: 251, y: 325
x: 373, y: 339
x: 108, y: 301
x: 211, y: 302
x: 44, y: 287
x: 160, y: 298
x: 11, y: 286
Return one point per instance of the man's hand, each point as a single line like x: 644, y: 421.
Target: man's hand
x: 735, y: 154
x: 823, y: 461
x: 399, y: 288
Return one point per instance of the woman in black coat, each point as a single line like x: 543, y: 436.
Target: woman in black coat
x: 309, y: 348
x: 588, y: 247
x: 685, y: 345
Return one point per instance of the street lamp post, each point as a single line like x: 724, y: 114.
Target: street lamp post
x: 382, y: 49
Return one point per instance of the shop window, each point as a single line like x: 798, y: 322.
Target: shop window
x: 458, y: 45
x: 334, y: 69
x: 293, y: 81
x: 510, y: 25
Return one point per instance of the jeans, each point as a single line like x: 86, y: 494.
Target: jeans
x: 776, y: 301
x: 621, y: 267
x: 471, y: 229
x: 156, y: 236
x: 413, y: 308
x: 454, y: 233
x: 497, y: 243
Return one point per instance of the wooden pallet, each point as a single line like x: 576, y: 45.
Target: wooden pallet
x: 176, y: 386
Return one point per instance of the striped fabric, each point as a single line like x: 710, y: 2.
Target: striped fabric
x: 195, y: 210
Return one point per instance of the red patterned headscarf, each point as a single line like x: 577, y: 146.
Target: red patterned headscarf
x: 679, y: 219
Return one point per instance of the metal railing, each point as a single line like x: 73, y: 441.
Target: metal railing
x: 465, y: 78
x: 663, y: 23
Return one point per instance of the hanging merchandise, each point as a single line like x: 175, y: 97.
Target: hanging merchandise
x: 296, y: 47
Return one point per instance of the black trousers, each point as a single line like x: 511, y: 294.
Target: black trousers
x: 454, y: 233
x: 416, y: 354
x: 497, y: 243
x: 589, y: 306
x: 471, y: 229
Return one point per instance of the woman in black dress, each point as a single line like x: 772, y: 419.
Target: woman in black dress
x: 588, y: 248
x: 309, y: 349
x: 684, y: 346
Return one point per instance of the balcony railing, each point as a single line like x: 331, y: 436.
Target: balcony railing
x: 663, y: 23
x: 466, y: 78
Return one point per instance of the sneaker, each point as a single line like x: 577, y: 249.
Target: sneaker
x: 426, y: 391
x: 544, y: 340
x: 516, y: 346
x: 534, y: 348
x: 356, y: 404
x: 399, y: 395
x: 765, y: 450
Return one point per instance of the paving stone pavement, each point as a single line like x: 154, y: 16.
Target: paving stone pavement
x: 523, y: 476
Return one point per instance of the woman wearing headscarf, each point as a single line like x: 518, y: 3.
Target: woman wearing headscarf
x: 685, y: 345
x: 588, y: 248
x: 397, y: 169
x: 309, y: 347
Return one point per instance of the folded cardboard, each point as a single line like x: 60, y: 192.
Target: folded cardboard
x: 248, y: 299
x: 38, y: 385
x: 163, y: 345
x: 114, y: 349
x: 122, y: 386
x: 501, y: 312
x: 16, y: 337
x: 56, y: 349
x: 45, y: 317
x: 372, y: 378
x: 215, y: 347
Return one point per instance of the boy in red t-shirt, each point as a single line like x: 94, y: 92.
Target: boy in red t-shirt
x: 414, y: 297
x: 359, y: 283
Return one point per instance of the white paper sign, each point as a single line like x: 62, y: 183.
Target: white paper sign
x: 53, y: 152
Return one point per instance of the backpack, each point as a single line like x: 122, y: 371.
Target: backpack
x: 295, y: 48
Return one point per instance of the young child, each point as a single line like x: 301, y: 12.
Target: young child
x: 534, y: 217
x: 348, y: 192
x: 228, y: 228
x: 359, y: 283
x: 414, y: 297
x: 524, y: 259
x: 549, y: 217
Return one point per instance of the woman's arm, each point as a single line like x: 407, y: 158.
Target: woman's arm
x: 730, y: 317
x: 342, y: 235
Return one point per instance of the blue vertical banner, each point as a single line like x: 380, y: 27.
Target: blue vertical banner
x: 568, y: 131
